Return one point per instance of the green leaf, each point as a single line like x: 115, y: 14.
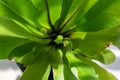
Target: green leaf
x: 68, y: 75
x: 40, y: 69
x: 115, y: 35
x: 22, y: 50
x: 46, y: 12
x: 58, y: 68
x: 64, y: 12
x: 90, y: 45
x: 55, y: 9
x: 63, y: 71
x: 30, y: 29
x: 95, y: 42
x: 106, y: 56
x: 18, y: 11
x: 103, y: 74
x: 13, y: 9
x: 78, y: 35
x: 59, y: 39
x: 110, y: 35
x: 42, y: 13
x: 77, y: 14
x: 29, y: 57
x: 12, y: 28
x: 21, y: 7
x: 83, y: 70
x: 104, y: 14
x: 5, y: 12
x: 7, y: 44
x: 58, y: 72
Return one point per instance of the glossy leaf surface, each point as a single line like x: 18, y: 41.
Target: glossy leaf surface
x: 106, y: 57
x: 101, y: 19
x: 7, y: 44
x: 99, y: 70
x: 64, y: 36
x: 41, y: 63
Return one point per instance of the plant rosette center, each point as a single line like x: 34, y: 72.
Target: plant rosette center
x: 60, y: 37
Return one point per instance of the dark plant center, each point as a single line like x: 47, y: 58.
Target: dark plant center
x: 57, y: 38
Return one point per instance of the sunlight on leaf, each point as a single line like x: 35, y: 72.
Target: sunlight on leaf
x: 59, y: 39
